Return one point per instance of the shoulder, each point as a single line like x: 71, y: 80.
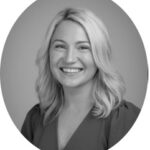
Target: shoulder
x: 35, y: 110
x: 121, y: 120
x: 126, y: 110
x: 34, y: 114
x: 32, y: 120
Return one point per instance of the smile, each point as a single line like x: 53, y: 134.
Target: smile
x: 71, y: 70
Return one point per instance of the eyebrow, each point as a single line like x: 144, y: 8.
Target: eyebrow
x: 78, y: 42
x: 58, y: 40
x: 81, y: 42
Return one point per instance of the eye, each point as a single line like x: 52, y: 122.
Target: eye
x: 84, y: 47
x: 59, y: 46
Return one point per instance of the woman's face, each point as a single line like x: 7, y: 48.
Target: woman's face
x: 71, y: 59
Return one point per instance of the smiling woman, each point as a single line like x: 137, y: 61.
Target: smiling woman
x: 71, y: 60
x: 81, y: 95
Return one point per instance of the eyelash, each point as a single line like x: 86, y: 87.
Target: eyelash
x: 84, y: 48
x: 59, y: 46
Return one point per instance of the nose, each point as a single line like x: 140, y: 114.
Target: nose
x: 71, y: 55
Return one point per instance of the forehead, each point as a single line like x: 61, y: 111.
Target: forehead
x: 70, y: 31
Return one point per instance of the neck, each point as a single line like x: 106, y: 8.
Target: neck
x: 79, y: 98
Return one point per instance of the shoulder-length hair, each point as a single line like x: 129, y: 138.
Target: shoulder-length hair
x: 108, y: 84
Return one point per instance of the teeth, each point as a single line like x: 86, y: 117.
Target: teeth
x: 71, y: 70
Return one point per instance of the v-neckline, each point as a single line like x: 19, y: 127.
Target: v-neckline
x: 74, y: 133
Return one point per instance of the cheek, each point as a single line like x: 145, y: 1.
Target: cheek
x: 55, y: 62
x: 91, y: 66
x: 89, y: 61
x: 54, y: 58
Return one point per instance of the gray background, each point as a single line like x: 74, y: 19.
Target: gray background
x: 18, y: 69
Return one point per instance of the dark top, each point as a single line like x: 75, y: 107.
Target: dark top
x: 92, y: 133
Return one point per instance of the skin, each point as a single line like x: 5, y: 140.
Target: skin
x: 72, y: 64
x: 71, y: 58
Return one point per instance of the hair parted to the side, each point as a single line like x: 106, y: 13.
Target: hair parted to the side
x: 108, y: 84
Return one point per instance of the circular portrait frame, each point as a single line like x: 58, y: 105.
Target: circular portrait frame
x: 22, y: 53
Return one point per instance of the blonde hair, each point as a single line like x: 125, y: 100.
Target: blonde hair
x: 108, y: 84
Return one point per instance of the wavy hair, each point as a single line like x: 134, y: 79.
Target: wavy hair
x: 108, y: 84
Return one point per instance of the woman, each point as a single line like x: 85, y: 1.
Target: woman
x: 81, y: 105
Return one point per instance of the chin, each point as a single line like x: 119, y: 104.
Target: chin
x: 71, y: 85
x: 70, y: 82
x: 74, y: 84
